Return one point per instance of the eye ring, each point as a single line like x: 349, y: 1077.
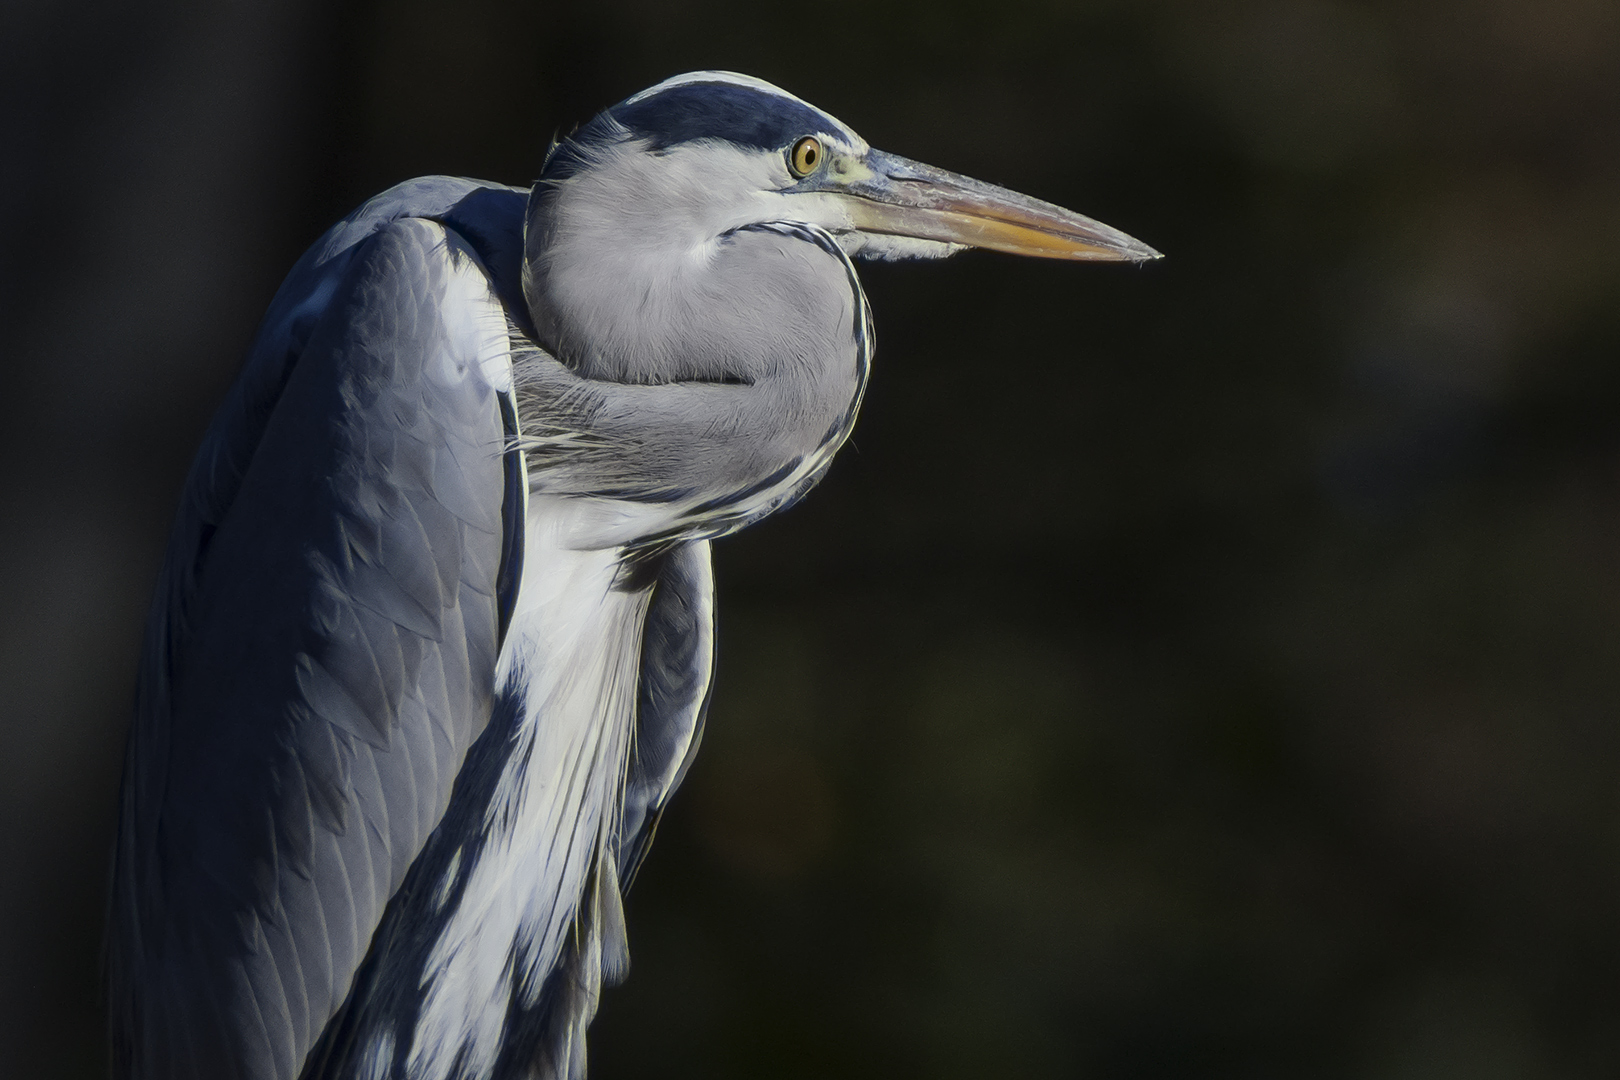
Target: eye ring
x: 805, y: 156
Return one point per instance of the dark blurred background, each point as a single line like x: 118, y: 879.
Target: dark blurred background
x: 1204, y: 670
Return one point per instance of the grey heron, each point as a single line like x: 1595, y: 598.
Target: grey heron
x: 432, y: 644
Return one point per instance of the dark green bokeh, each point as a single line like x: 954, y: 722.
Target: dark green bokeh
x: 1203, y: 670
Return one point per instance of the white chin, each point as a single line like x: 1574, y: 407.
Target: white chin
x: 889, y: 248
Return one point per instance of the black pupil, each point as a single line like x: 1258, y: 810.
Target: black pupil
x: 809, y: 154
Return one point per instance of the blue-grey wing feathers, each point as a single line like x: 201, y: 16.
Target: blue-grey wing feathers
x: 320, y: 658
x: 677, y: 666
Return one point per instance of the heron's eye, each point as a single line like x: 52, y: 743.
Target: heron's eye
x: 806, y: 155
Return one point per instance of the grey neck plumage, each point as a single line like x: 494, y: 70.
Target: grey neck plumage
x: 693, y: 352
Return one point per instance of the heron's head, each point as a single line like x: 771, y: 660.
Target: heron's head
x: 652, y: 190
x: 704, y: 153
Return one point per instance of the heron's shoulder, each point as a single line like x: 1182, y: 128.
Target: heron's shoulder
x: 474, y: 208
x: 488, y: 216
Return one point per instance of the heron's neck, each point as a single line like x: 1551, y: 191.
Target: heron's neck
x: 625, y: 265
x: 713, y: 358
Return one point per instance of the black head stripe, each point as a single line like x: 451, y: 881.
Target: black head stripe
x: 738, y: 114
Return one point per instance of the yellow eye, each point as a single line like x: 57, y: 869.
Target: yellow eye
x: 806, y: 156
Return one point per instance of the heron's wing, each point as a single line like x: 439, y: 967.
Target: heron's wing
x: 677, y: 666
x: 321, y: 652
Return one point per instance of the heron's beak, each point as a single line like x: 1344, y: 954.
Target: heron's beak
x: 891, y: 195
